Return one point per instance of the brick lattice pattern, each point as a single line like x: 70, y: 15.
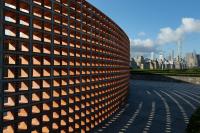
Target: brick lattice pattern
x: 64, y: 66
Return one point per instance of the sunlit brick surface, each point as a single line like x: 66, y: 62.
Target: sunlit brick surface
x: 64, y: 66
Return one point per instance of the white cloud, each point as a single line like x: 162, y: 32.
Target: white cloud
x: 144, y: 43
x: 168, y: 35
x: 139, y: 46
x: 165, y: 36
x: 190, y: 25
x: 141, y: 34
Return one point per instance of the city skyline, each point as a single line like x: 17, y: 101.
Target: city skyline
x: 66, y: 66
x: 156, y: 26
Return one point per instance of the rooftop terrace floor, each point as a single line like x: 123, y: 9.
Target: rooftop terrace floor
x: 154, y: 107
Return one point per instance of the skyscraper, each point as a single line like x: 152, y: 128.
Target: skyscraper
x: 152, y: 55
x: 191, y: 60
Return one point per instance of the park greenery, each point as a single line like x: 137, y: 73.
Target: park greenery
x: 170, y: 72
x: 194, y: 124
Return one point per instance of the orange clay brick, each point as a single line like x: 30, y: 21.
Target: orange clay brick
x: 64, y: 66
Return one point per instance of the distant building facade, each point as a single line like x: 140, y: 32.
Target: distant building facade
x: 192, y: 60
x: 162, y: 64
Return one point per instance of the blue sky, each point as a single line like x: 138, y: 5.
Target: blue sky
x: 142, y: 20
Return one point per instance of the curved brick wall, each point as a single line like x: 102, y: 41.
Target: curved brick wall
x: 64, y: 66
